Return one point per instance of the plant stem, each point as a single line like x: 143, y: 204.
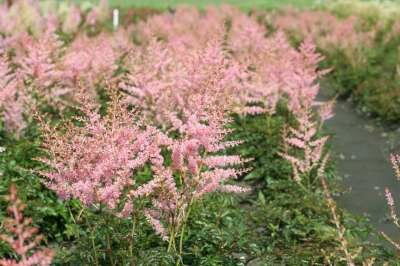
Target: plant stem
x: 171, y: 241
x: 183, y: 231
x: 92, y: 237
x: 96, y: 261
x: 109, y: 249
x: 268, y: 125
x: 132, y: 238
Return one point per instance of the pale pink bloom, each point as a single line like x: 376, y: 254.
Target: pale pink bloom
x: 73, y: 20
x: 186, y: 28
x: 395, y: 160
x: 304, y: 150
x: 38, y: 60
x: 22, y: 16
x: 324, y: 28
x: 158, y: 227
x: 98, y: 13
x: 95, y: 162
x: 326, y: 109
x: 328, y: 32
x: 12, y: 98
x: 389, y: 197
x: 92, y: 17
x: 189, y: 94
x: 191, y: 152
x: 22, y: 237
x: 392, y: 207
x: 88, y: 61
x: 170, y: 87
x: 276, y: 70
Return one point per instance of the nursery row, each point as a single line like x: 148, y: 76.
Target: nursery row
x: 189, y: 138
x: 360, y: 40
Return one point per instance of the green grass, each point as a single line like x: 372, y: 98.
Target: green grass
x: 244, y: 4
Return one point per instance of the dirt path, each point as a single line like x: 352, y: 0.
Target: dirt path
x: 362, y: 150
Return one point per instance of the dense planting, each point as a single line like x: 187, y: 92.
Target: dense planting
x: 360, y: 41
x: 189, y: 137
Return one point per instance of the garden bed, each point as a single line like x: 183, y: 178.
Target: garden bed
x: 182, y: 137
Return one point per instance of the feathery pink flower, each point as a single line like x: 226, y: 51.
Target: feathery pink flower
x: 395, y: 160
x: 325, y: 109
x: 22, y: 237
x: 98, y: 13
x: 303, y: 139
x: 12, y: 98
x: 199, y: 170
x: 38, y: 58
x: 324, y: 28
x: 72, y: 20
x: 95, y: 162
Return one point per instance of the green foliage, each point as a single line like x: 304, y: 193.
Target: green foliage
x: 262, y: 136
x: 374, y: 83
x: 277, y: 223
x: 18, y: 165
x: 368, y: 75
x: 298, y: 227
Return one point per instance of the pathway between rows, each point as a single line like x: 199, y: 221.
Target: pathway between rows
x: 362, y: 153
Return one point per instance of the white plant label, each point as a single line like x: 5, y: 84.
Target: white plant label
x: 115, y: 18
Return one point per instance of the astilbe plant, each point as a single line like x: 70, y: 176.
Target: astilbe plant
x: 324, y: 28
x: 299, y: 77
x: 190, y: 102
x: 187, y: 91
x: 94, y: 162
x: 336, y: 218
x: 325, y: 110
x: 197, y: 169
x: 98, y: 13
x: 37, y: 60
x: 395, y: 160
x: 329, y: 32
x: 269, y: 67
x: 88, y: 61
x: 249, y: 45
x: 22, y: 16
x: 12, y: 98
x: 186, y: 27
x: 277, y: 70
x: 22, y: 237
x: 73, y: 19
x: 55, y: 73
x: 304, y: 149
x: 169, y: 86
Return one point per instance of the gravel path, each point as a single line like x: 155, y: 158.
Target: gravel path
x: 362, y: 151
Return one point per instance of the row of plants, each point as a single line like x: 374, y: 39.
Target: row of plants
x: 188, y: 138
x: 360, y: 41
